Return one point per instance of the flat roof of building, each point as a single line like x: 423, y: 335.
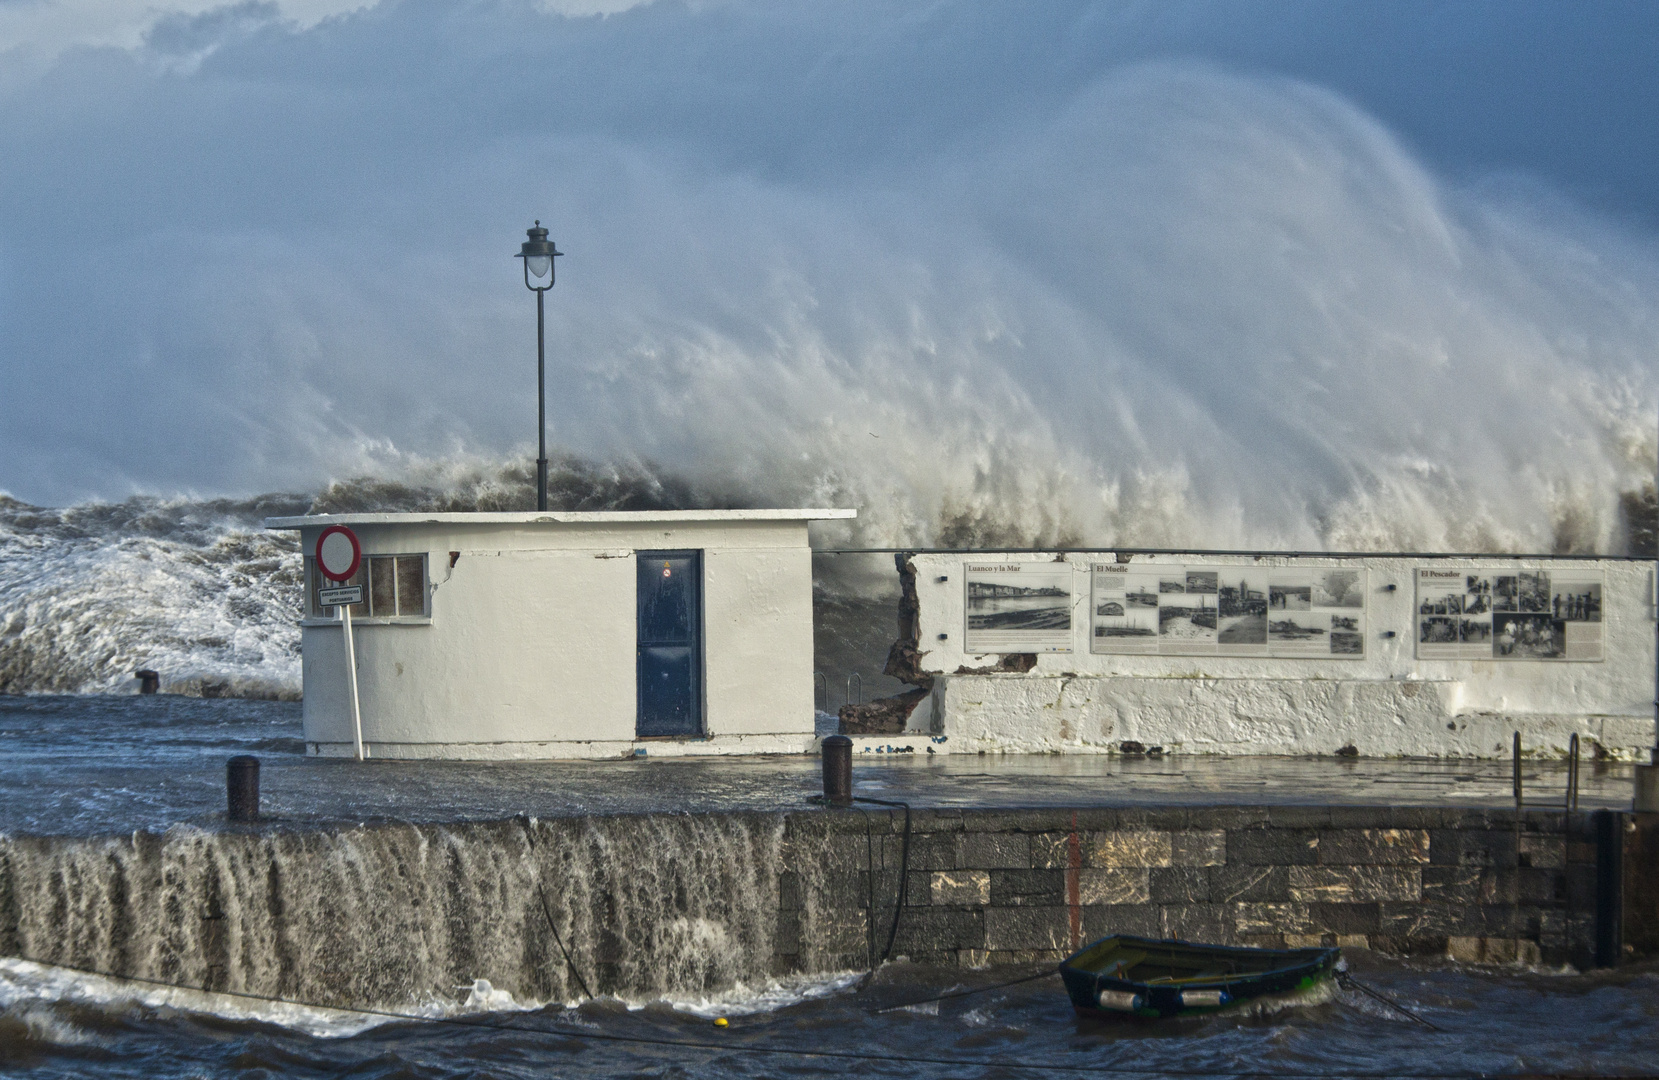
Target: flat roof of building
x: 557, y: 517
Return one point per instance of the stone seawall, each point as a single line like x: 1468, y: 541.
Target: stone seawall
x: 992, y: 887
x: 392, y: 914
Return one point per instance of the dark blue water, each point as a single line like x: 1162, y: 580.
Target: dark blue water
x: 1495, y: 1023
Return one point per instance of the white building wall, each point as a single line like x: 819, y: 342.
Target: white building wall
x: 755, y: 604
x: 1387, y: 703
x: 530, y: 649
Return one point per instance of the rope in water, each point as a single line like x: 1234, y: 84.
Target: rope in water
x: 487, y: 1023
x: 1050, y: 973
x: 1347, y: 982
x: 546, y: 909
x: 904, y: 879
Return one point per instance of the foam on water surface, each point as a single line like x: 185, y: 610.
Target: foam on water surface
x: 193, y: 589
x: 26, y: 988
x: 766, y: 996
x: 31, y: 992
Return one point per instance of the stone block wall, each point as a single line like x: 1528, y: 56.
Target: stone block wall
x: 995, y: 887
x: 391, y: 914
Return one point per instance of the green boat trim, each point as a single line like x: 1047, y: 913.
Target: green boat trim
x: 1122, y: 975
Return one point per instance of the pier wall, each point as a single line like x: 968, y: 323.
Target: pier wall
x: 1000, y: 887
x: 1383, y: 694
x: 395, y: 915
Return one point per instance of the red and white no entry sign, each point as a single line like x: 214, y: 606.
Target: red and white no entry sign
x: 338, y: 557
x: 338, y: 553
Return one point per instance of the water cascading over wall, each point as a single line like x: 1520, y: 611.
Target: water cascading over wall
x: 393, y: 915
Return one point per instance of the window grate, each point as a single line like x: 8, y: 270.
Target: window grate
x: 394, y: 586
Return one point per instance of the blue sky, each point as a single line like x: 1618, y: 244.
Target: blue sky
x: 1286, y: 273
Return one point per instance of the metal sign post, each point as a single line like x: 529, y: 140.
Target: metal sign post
x: 339, y: 556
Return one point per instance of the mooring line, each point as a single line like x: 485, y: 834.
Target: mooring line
x: 487, y: 1023
x: 901, y: 897
x: 904, y: 872
x: 1347, y: 981
x: 546, y: 909
x: 1050, y: 973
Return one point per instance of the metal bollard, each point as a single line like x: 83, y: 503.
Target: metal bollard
x: 148, y: 681
x: 838, y: 770
x: 242, y: 787
x: 1609, y: 924
x: 1572, y: 772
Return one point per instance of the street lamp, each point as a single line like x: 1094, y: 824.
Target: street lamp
x: 538, y: 254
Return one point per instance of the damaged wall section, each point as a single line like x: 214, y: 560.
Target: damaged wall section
x: 893, y: 715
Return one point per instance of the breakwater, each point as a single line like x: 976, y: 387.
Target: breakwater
x: 652, y: 905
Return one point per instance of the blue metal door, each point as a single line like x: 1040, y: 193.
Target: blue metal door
x: 670, y: 643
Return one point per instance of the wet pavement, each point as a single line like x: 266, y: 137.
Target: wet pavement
x: 91, y: 765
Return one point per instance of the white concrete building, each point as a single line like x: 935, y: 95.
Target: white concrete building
x: 567, y: 635
x: 1385, y: 670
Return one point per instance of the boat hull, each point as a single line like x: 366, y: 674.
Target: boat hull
x: 1122, y: 976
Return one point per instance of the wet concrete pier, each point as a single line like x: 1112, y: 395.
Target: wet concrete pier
x: 389, y: 882
x: 100, y: 795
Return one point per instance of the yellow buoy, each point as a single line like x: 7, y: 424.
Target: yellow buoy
x: 721, y: 1022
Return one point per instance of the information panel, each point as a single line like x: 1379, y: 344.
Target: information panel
x: 1170, y: 610
x: 1018, y: 607
x: 1505, y: 613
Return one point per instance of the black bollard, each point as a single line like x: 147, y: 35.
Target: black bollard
x: 1609, y: 924
x: 838, y: 770
x: 242, y: 787
x: 148, y: 681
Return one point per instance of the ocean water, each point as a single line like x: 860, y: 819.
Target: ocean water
x: 1493, y: 1022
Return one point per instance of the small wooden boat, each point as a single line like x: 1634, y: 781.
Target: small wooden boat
x: 1132, y: 976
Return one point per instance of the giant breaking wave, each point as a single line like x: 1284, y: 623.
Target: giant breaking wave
x: 197, y: 590
x: 1187, y: 309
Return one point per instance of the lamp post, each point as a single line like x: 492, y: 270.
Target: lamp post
x: 538, y: 254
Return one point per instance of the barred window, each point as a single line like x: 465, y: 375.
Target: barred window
x: 394, y: 585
